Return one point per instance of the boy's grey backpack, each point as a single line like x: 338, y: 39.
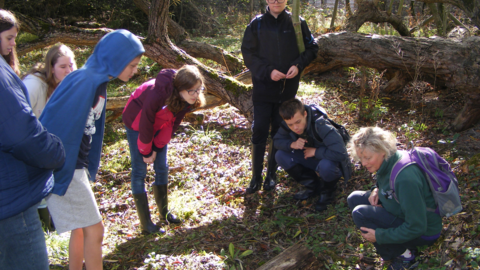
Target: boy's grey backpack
x: 441, y: 179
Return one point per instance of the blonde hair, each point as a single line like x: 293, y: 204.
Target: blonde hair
x: 374, y: 139
x: 46, y: 69
x: 185, y: 78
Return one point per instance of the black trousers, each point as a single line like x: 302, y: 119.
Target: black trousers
x: 264, y: 115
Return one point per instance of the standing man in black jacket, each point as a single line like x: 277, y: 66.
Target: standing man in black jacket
x: 271, y: 53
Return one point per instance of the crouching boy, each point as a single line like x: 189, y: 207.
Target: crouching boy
x: 311, y: 151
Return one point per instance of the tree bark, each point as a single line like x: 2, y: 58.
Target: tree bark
x: 49, y: 34
x: 334, y: 15
x: 469, y: 114
x: 437, y: 18
x: 294, y: 257
x: 160, y: 49
x: 116, y: 105
x: 296, y: 25
x: 196, y: 49
x: 440, y: 61
x: 368, y: 12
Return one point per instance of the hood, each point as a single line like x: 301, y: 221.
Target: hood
x: 113, y: 53
x: 67, y: 109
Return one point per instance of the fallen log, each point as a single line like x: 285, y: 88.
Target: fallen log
x: 294, y: 257
x: 116, y: 105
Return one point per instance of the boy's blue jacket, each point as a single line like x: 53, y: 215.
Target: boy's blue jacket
x: 28, y: 153
x: 331, y: 147
x: 66, y: 112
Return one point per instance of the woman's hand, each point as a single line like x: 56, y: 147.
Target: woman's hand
x: 369, y: 235
x: 373, y: 199
x: 151, y: 158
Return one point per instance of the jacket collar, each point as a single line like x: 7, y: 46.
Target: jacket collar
x: 387, y: 165
x: 281, y: 16
x: 309, y: 118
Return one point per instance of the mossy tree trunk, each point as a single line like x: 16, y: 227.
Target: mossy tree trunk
x: 160, y: 49
x: 193, y: 48
x: 442, y: 62
x: 297, y: 26
x: 447, y: 63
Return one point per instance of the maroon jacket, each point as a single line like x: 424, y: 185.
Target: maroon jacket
x: 146, y: 113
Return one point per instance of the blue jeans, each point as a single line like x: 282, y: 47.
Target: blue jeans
x: 328, y: 170
x: 139, y: 168
x: 22, y: 242
x: 373, y: 217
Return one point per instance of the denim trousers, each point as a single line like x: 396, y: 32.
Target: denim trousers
x: 139, y: 168
x: 264, y: 115
x: 373, y: 217
x: 22, y: 242
x: 328, y: 170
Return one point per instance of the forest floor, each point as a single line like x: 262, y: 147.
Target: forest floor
x: 223, y: 228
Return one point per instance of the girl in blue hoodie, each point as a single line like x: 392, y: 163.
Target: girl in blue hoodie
x: 76, y: 113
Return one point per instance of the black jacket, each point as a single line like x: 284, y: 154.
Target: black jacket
x: 330, y: 147
x: 269, y: 43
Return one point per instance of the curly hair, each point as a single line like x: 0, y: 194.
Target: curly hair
x: 7, y: 21
x: 186, y: 77
x: 374, y: 139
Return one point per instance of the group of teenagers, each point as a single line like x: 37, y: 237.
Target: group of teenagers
x: 52, y: 126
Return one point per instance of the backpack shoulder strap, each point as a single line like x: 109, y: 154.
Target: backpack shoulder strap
x: 401, y: 164
x: 317, y: 113
x: 257, y: 20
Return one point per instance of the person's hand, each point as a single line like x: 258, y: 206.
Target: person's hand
x: 369, y: 235
x: 292, y: 72
x: 373, y: 199
x: 277, y: 75
x: 298, y: 144
x: 151, y: 158
x: 309, y: 152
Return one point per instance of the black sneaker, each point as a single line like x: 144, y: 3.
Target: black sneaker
x: 303, y: 194
x: 402, y: 263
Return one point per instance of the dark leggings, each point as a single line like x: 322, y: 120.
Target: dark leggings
x: 373, y: 217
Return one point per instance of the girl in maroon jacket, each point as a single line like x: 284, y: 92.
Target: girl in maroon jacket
x: 151, y: 116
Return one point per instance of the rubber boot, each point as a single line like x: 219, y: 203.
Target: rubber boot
x: 306, y: 177
x: 327, y: 195
x: 271, y: 177
x: 258, y: 151
x: 161, y: 197
x: 141, y: 202
x: 46, y: 219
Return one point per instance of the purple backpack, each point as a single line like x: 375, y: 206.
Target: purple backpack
x: 441, y: 179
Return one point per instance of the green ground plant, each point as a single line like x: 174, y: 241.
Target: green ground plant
x: 209, y: 160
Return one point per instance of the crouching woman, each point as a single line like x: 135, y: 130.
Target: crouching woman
x: 151, y: 116
x: 396, y: 228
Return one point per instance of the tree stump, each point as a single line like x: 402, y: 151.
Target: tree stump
x: 294, y: 257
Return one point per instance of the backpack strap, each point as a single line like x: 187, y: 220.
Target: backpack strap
x: 317, y: 112
x: 258, y: 20
x: 401, y: 164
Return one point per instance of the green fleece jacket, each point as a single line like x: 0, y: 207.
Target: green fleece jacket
x: 414, y: 195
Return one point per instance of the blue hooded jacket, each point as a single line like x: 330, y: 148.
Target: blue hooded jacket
x: 28, y: 153
x: 66, y: 112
